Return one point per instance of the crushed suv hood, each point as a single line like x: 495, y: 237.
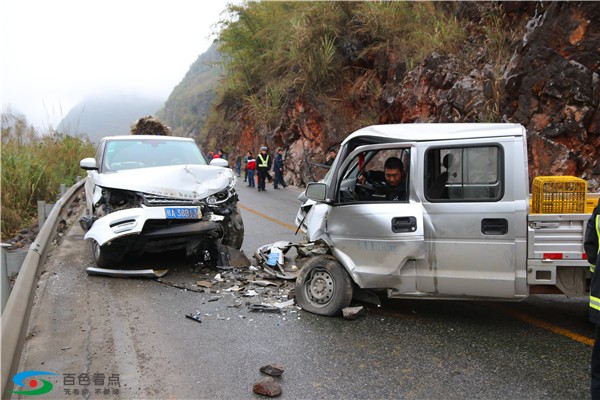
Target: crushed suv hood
x: 177, y: 181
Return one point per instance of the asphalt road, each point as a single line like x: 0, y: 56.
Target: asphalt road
x: 134, y: 331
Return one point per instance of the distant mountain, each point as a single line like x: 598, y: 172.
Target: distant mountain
x: 102, y: 116
x: 188, y: 104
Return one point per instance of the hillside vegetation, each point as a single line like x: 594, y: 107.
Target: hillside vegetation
x: 303, y: 75
x: 187, y: 107
x: 274, y: 49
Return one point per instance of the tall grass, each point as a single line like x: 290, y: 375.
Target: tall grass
x: 33, y: 168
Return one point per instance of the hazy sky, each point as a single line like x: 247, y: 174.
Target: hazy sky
x: 55, y: 53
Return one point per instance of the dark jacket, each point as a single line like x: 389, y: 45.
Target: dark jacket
x: 278, y: 163
x: 396, y: 194
x: 591, y: 244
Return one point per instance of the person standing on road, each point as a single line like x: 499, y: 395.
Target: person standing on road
x: 238, y: 166
x: 250, y: 168
x: 591, y: 244
x: 264, y: 164
x: 278, y: 169
x: 245, y: 166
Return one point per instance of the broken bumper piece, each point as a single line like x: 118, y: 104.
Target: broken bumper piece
x: 125, y: 273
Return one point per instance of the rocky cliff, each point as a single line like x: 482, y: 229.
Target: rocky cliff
x: 549, y: 82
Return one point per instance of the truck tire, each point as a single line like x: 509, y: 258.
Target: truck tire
x: 104, y: 257
x: 323, y: 286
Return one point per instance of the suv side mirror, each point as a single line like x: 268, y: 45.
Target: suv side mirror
x: 316, y: 191
x: 219, y: 162
x: 88, y: 163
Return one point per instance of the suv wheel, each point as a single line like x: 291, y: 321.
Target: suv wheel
x: 104, y: 256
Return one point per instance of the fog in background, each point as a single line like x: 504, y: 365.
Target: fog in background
x: 56, y: 53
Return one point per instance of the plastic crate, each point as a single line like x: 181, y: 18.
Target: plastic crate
x: 590, y: 204
x: 558, y: 195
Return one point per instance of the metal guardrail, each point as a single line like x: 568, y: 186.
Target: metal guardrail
x: 15, y: 318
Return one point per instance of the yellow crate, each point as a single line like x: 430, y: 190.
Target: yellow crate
x: 558, y: 195
x: 590, y: 204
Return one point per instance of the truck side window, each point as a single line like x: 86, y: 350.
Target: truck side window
x: 378, y: 175
x: 464, y: 174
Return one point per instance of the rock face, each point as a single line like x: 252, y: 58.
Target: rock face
x: 551, y: 85
x: 553, y: 88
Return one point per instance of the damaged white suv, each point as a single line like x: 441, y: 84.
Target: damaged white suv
x: 155, y: 193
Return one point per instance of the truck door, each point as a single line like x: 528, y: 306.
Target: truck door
x: 474, y: 235
x: 378, y: 240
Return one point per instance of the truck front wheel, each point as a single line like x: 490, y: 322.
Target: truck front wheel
x: 323, y: 286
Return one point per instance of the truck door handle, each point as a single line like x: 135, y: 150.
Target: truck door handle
x: 404, y: 224
x: 494, y: 226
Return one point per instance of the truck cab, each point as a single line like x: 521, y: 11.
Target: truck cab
x: 461, y: 231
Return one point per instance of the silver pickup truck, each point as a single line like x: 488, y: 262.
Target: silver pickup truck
x: 461, y: 229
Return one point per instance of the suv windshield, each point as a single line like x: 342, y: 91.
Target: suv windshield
x: 130, y: 154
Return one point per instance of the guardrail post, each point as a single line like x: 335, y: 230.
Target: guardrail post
x: 41, y: 213
x: 63, y: 189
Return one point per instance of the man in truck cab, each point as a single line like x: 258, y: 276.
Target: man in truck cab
x: 592, y: 248
x: 389, y: 183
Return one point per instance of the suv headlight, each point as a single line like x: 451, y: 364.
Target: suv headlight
x: 219, y: 198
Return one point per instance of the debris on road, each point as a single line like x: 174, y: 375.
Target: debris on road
x: 263, y: 308
x: 274, y: 369
x: 195, y: 316
x: 267, y: 386
x: 121, y: 273
x: 284, y: 304
x: 353, y: 312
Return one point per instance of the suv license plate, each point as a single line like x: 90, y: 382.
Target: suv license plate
x: 181, y: 213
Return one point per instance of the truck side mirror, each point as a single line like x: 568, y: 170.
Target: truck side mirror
x: 316, y: 191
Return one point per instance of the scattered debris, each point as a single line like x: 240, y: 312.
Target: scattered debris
x: 263, y: 308
x: 312, y: 249
x: 141, y: 273
x: 65, y: 348
x: 264, y: 283
x: 353, y: 312
x: 195, y: 316
x: 284, y: 304
x: 205, y: 284
x: 267, y: 386
x: 250, y: 293
x: 274, y: 369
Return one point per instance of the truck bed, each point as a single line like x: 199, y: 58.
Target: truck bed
x: 555, y: 253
